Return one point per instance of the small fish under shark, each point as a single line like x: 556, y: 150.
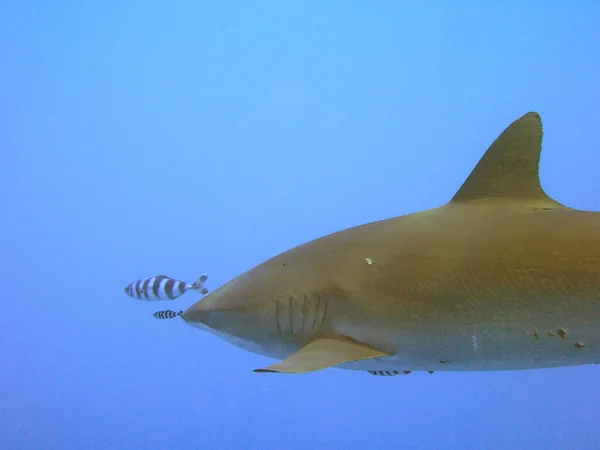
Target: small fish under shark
x: 502, y: 277
x: 162, y: 287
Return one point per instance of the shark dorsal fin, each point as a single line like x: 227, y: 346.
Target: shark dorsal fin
x: 509, y: 169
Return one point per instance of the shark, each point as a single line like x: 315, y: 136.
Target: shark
x: 502, y: 277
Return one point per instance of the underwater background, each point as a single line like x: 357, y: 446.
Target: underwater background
x: 182, y: 137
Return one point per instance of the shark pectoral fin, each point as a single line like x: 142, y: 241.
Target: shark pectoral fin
x: 323, y: 353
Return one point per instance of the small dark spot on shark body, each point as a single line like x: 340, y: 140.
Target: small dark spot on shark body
x: 535, y: 334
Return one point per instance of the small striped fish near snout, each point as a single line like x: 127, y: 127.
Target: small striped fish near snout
x: 162, y: 287
x: 167, y: 314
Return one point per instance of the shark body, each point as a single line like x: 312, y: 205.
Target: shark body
x: 500, y: 278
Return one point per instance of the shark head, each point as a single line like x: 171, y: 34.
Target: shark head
x: 272, y: 312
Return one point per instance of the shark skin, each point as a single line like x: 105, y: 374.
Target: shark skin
x: 500, y: 278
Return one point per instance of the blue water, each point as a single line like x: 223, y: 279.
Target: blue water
x: 141, y: 138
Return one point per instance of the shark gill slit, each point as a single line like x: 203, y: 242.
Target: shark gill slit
x: 277, y: 317
x: 290, y: 312
x: 314, y: 321
x: 304, y: 306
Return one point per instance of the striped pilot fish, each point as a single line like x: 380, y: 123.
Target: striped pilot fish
x: 167, y: 314
x: 163, y: 287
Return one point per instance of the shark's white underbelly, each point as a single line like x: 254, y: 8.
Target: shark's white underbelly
x: 513, y: 347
